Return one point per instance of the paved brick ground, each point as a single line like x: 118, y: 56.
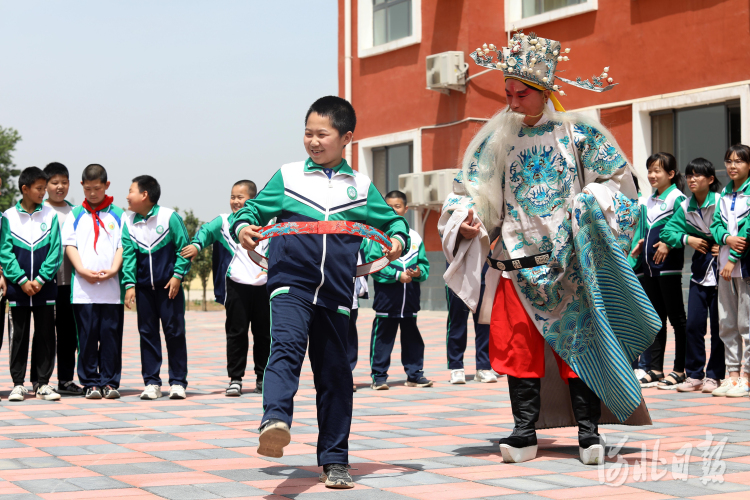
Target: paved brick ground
x: 406, y: 443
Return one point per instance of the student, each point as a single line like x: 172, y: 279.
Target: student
x: 730, y: 229
x: 152, y: 269
x: 92, y: 238
x: 691, y: 225
x: 3, y: 294
x: 310, y: 279
x: 457, y: 334
x: 396, y: 304
x: 641, y: 364
x: 246, y: 295
x: 67, y: 337
x: 30, y: 257
x: 662, y: 268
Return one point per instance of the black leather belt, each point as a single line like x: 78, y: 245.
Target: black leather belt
x: 523, y: 263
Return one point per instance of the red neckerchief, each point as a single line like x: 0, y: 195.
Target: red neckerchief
x: 95, y: 215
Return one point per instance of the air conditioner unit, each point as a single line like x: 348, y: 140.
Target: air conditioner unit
x: 428, y: 189
x: 447, y: 71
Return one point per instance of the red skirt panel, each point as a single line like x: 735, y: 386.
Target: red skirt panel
x: 516, y: 346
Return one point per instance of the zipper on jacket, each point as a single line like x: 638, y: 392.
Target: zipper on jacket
x: 151, y: 269
x: 31, y: 221
x: 403, y: 301
x: 323, y: 259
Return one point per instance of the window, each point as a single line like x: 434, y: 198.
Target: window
x: 700, y: 131
x: 536, y: 7
x: 386, y: 25
x: 521, y: 14
x: 391, y: 20
x: 388, y: 163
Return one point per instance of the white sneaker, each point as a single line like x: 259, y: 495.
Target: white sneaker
x: 740, y: 390
x: 177, y: 392
x: 726, y: 384
x: 458, y: 376
x: 18, y: 393
x: 47, y: 393
x: 152, y: 391
x: 485, y: 376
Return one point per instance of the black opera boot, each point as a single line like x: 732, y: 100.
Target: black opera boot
x: 587, y: 410
x: 525, y: 401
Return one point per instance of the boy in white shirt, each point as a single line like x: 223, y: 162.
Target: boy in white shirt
x: 92, y: 239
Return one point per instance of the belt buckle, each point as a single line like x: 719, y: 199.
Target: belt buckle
x: 541, y: 259
x: 516, y: 263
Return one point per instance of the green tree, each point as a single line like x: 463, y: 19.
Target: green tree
x: 192, y: 224
x: 9, y: 137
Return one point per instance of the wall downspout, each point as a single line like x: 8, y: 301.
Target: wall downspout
x: 348, y: 64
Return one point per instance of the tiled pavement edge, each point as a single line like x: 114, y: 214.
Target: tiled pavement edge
x: 406, y: 443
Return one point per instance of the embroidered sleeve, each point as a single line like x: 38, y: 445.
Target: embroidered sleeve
x: 600, y: 159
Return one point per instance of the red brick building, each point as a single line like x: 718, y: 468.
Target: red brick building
x: 682, y: 66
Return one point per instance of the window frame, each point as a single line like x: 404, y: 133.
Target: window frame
x: 365, y: 30
x: 514, y: 19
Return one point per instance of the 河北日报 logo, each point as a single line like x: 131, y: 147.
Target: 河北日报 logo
x: 159, y: 229
x: 43, y: 226
x: 351, y: 192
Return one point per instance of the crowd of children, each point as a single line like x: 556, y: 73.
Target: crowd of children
x: 713, y: 221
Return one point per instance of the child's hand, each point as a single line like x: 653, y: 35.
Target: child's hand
x: 662, y: 250
x: 3, y: 285
x: 726, y: 273
x: 189, y: 252
x: 36, y: 286
x: 107, y: 274
x: 246, y: 237
x: 174, y: 287
x: 28, y: 289
x: 395, y: 251
x: 637, y: 249
x: 737, y: 243
x: 89, y: 275
x: 414, y: 273
x: 404, y: 278
x: 129, y: 297
x: 715, y: 250
x: 699, y: 244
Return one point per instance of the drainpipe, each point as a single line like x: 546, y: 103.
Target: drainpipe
x: 348, y: 63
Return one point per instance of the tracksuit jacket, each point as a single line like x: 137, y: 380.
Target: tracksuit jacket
x: 318, y: 268
x: 211, y: 233
x: 151, y: 248
x: 30, y: 248
x: 393, y: 298
x: 689, y: 219
x: 655, y: 215
x: 731, y: 218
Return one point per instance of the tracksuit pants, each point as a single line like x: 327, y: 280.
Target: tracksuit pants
x: 734, y: 323
x: 3, y: 306
x: 665, y: 294
x: 153, y: 306
x: 457, y: 333
x: 44, y: 342
x: 383, y: 338
x: 702, y: 305
x: 247, y: 308
x: 100, y: 336
x: 294, y: 320
x: 353, y: 342
x: 67, y: 338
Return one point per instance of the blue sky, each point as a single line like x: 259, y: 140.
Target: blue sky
x: 198, y: 93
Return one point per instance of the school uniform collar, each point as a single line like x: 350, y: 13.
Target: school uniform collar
x: 341, y: 168
x: 66, y: 201
x: 20, y: 208
x: 708, y: 202
x: 666, y: 192
x: 151, y: 213
x: 729, y: 188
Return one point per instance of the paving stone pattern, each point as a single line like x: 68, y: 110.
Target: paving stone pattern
x: 428, y: 444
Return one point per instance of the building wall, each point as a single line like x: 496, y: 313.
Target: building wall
x: 652, y: 47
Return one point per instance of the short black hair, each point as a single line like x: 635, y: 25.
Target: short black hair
x: 701, y: 166
x: 252, y: 189
x: 56, y: 168
x: 94, y: 172
x: 150, y: 185
x: 338, y: 110
x: 396, y: 194
x: 742, y: 152
x: 30, y: 175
